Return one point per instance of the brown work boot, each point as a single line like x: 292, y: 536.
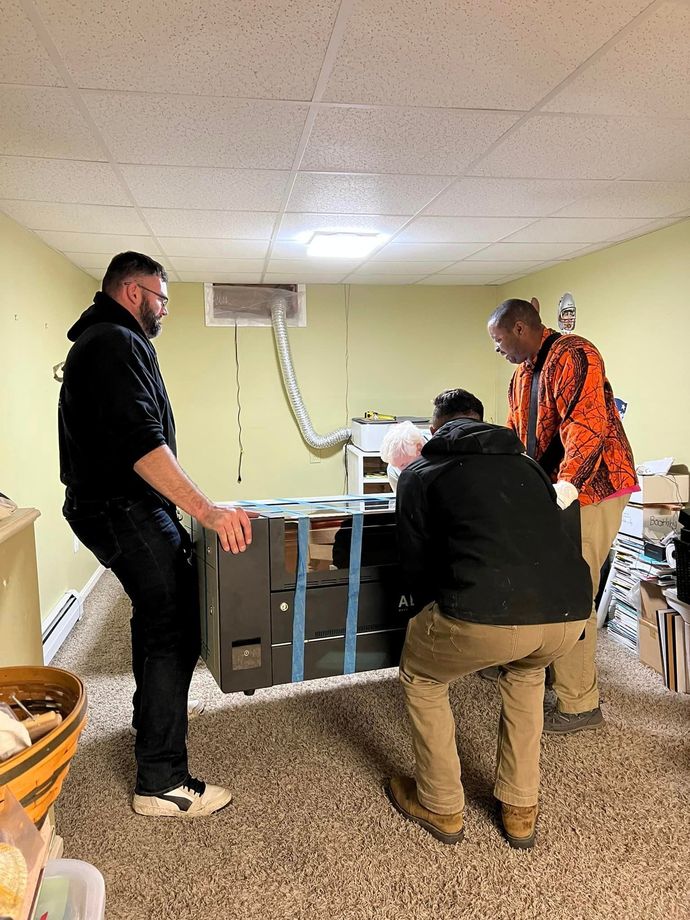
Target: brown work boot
x: 520, y: 825
x: 402, y: 792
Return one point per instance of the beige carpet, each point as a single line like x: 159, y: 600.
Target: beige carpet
x: 311, y: 835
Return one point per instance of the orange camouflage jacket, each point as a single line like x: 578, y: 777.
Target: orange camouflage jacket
x: 576, y: 402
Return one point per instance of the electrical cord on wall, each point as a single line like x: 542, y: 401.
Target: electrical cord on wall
x: 239, y: 406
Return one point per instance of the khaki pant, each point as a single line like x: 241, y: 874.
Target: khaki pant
x: 439, y: 649
x: 575, y: 674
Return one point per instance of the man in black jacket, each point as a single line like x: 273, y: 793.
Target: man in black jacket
x: 123, y: 483
x: 483, y: 542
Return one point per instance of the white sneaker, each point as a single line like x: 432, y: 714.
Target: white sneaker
x: 194, y: 709
x: 193, y: 799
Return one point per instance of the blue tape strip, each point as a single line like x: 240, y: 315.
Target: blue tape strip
x: 275, y: 508
x: 353, y: 593
x: 299, y: 609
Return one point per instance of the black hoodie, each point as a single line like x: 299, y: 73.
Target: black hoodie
x: 113, y: 406
x: 480, y: 531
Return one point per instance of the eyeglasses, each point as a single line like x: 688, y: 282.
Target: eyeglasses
x: 163, y: 299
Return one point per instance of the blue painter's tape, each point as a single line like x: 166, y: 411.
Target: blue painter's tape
x: 299, y: 610
x: 353, y: 593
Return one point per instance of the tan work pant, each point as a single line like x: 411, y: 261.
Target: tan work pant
x: 575, y: 674
x: 439, y: 649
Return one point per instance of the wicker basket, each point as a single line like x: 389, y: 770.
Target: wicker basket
x: 35, y: 775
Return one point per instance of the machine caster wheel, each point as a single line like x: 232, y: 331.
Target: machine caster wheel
x: 249, y: 693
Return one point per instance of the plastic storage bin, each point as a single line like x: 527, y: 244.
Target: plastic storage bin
x: 70, y: 890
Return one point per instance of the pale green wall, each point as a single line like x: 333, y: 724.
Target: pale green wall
x: 404, y: 346
x: 40, y: 294
x: 632, y: 302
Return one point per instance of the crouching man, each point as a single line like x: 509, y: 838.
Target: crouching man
x: 485, y: 546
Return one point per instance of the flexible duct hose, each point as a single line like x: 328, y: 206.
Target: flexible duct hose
x: 280, y: 335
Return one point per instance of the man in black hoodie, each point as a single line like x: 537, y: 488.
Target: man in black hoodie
x: 483, y: 543
x: 123, y: 483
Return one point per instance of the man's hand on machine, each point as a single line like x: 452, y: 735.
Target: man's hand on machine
x: 566, y: 494
x: 232, y: 525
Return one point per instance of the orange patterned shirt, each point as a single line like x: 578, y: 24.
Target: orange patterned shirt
x: 576, y: 402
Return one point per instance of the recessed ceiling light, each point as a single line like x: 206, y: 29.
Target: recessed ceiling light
x: 344, y: 245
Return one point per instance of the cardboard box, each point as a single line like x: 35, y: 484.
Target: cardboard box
x: 652, y: 598
x: 649, y: 522
x: 648, y: 649
x: 671, y: 489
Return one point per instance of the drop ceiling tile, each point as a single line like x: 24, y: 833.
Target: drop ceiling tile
x: 363, y: 194
x: 73, y: 181
x: 89, y: 261
x: 271, y: 50
x: 645, y: 73
x: 312, y: 266
x: 420, y: 252
x: 649, y: 227
x: 569, y: 147
x: 300, y: 227
x: 97, y: 261
x: 83, y: 218
x: 208, y: 248
x: 478, y: 280
x: 198, y: 131
x: 104, y: 243
x: 460, y: 229
x: 482, y: 54
x: 632, y: 199
x: 495, y: 268
x: 23, y: 58
x: 406, y: 141
x: 664, y: 148
x: 525, y: 252
x: 303, y: 277
x: 240, y: 225
x: 224, y: 189
x: 221, y: 277
x: 518, y: 276
x: 401, y: 268
x: 228, y: 266
x: 383, y: 279
x: 43, y: 121
x: 487, y: 197
x: 575, y: 229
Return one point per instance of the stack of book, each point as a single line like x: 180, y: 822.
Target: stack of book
x: 673, y: 624
x: 619, y: 595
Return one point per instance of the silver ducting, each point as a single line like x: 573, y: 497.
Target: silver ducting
x: 317, y: 441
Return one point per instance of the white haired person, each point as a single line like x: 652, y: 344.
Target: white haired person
x: 401, y: 444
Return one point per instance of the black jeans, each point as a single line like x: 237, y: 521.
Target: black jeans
x: 150, y: 552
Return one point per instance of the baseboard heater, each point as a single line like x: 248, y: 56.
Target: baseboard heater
x: 60, y: 622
